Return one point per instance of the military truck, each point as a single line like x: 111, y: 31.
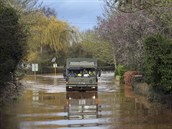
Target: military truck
x: 81, y: 74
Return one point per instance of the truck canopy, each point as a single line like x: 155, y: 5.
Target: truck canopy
x: 73, y: 63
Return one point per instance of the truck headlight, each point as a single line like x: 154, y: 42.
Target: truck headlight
x: 94, y: 97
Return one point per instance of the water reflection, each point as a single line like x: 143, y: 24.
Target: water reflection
x: 83, y: 106
x: 39, y: 109
x: 48, y: 106
x: 136, y: 112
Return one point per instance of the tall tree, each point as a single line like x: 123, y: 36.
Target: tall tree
x: 12, y: 42
x: 94, y: 46
x: 130, y: 6
x: 50, y: 38
x: 126, y: 31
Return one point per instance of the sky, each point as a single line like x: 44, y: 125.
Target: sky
x: 79, y: 13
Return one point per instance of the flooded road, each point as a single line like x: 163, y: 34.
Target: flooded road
x: 45, y: 104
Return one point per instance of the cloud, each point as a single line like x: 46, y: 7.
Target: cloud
x: 81, y: 13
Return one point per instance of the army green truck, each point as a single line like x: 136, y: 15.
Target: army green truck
x: 81, y: 74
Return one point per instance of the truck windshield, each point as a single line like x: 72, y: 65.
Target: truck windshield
x: 84, y: 72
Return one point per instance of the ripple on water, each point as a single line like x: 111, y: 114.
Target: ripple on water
x: 46, y: 105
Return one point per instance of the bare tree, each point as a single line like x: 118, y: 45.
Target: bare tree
x: 49, y: 11
x: 126, y: 32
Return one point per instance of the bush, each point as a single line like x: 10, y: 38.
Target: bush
x: 11, y: 42
x: 158, y: 63
x: 120, y: 70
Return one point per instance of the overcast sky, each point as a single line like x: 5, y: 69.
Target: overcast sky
x: 80, y: 13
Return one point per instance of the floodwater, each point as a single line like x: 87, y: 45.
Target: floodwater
x: 45, y: 104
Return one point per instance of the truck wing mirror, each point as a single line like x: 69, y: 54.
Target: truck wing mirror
x: 64, y: 74
x: 99, y: 73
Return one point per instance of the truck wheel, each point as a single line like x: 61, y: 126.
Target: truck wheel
x: 95, y: 89
x: 67, y: 88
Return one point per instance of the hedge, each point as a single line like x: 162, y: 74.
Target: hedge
x: 158, y: 63
x: 12, y: 43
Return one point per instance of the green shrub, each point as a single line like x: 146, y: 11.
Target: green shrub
x: 120, y: 70
x: 158, y: 63
x: 12, y: 43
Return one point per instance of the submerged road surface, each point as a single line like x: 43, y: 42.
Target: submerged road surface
x: 45, y: 104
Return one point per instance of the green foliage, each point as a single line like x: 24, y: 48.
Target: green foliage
x: 48, y: 38
x: 120, y: 70
x: 93, y: 46
x: 11, y: 42
x: 158, y: 63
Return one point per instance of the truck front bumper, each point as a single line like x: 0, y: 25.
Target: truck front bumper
x: 81, y: 87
